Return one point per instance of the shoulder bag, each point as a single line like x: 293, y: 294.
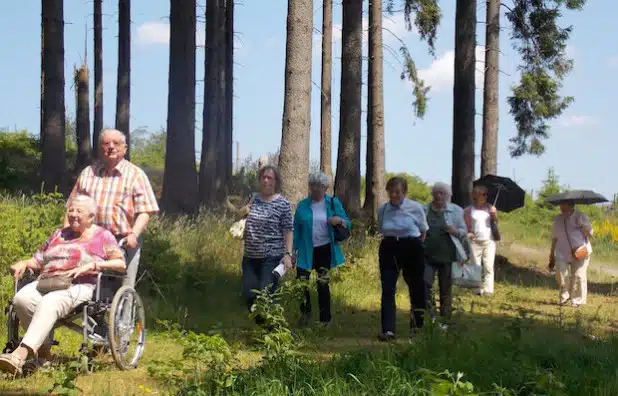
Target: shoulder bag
x: 580, y: 252
x: 51, y: 283
x: 341, y: 232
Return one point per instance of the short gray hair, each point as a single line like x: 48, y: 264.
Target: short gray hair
x: 110, y: 130
x: 320, y: 178
x: 444, y: 187
x: 90, y: 204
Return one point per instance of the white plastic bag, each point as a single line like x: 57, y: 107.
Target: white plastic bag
x: 237, y: 230
x: 468, y: 275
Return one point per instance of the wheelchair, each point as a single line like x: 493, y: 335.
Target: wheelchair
x: 125, y: 320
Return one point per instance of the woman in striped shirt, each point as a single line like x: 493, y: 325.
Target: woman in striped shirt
x: 268, y: 236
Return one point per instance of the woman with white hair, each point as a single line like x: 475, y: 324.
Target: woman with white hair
x: 446, y: 228
x: 69, y: 262
x: 315, y: 244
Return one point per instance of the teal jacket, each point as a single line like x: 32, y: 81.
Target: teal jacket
x: 303, y: 232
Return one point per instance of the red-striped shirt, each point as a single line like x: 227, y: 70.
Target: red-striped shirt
x: 121, y: 194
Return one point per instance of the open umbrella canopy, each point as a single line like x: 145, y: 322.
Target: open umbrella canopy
x: 502, y: 192
x: 578, y: 197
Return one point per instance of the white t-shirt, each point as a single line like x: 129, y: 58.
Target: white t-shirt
x: 481, y: 224
x: 321, y: 234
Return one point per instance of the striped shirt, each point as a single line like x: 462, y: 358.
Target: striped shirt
x: 121, y: 194
x: 265, y: 226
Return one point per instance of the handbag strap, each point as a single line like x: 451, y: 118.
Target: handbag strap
x: 566, y: 231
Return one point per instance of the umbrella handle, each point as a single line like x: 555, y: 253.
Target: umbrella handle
x: 497, y: 194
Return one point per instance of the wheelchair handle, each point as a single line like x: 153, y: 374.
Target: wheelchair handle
x: 28, y: 273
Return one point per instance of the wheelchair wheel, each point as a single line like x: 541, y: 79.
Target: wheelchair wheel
x: 12, y: 337
x: 127, y: 328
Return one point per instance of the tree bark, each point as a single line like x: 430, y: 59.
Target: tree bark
x: 463, y: 102
x: 123, y: 94
x: 42, y: 83
x: 180, y: 190
x: 53, y: 162
x: 82, y: 118
x: 326, y: 94
x: 212, y: 187
x: 489, y: 148
x: 229, y: 89
x: 98, y: 76
x: 347, y: 179
x: 294, y: 154
x: 375, y: 175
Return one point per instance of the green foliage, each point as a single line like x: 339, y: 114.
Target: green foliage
x: 64, y: 378
x: 204, y: 366
x: 148, y: 149
x: 541, y: 43
x: 551, y: 185
x: 427, y: 15
x: 418, y: 190
x: 20, y: 160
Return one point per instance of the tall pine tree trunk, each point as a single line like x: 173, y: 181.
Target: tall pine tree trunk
x: 180, y: 194
x: 489, y: 148
x: 53, y: 161
x: 229, y: 88
x: 374, y: 191
x: 294, y: 154
x: 123, y: 93
x: 98, y: 75
x: 463, y: 102
x: 82, y: 118
x: 42, y: 121
x: 347, y: 180
x: 326, y: 94
x: 212, y: 188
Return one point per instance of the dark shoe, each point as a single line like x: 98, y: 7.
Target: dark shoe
x: 386, y: 336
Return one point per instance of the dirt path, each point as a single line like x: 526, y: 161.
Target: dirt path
x: 541, y: 254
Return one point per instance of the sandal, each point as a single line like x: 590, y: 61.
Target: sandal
x: 11, y: 364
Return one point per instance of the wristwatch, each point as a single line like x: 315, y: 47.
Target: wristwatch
x: 288, y: 254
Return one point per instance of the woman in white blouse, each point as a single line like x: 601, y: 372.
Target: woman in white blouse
x: 479, y: 217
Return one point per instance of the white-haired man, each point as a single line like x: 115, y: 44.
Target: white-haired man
x: 125, y: 199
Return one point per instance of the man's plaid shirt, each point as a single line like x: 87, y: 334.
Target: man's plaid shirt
x: 120, y: 194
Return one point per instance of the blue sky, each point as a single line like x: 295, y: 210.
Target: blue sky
x: 581, y: 148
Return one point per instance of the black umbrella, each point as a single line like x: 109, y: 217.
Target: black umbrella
x: 581, y: 197
x: 503, y: 192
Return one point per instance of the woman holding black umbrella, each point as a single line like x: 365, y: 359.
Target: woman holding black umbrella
x: 570, y: 246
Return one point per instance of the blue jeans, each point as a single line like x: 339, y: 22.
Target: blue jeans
x: 258, y: 274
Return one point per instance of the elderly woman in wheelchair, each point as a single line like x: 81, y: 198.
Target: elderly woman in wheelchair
x: 70, y: 265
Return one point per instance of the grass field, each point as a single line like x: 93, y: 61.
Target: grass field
x: 519, y: 342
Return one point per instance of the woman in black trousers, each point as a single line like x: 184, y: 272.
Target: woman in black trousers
x: 403, y: 225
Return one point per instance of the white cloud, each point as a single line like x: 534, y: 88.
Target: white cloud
x: 578, y: 120
x: 612, y: 62
x: 153, y: 33
x: 439, y: 75
x: 158, y: 33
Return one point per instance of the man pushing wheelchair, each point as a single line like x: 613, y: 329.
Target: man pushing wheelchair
x: 112, y: 201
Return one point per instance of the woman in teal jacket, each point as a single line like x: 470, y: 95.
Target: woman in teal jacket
x: 314, y: 242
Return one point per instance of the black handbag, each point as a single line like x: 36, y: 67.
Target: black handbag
x: 495, y: 232
x: 341, y: 233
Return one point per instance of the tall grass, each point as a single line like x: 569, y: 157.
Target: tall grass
x: 517, y: 343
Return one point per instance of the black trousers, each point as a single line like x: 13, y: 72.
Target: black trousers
x: 404, y: 255
x: 321, y: 264
x: 445, y: 284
